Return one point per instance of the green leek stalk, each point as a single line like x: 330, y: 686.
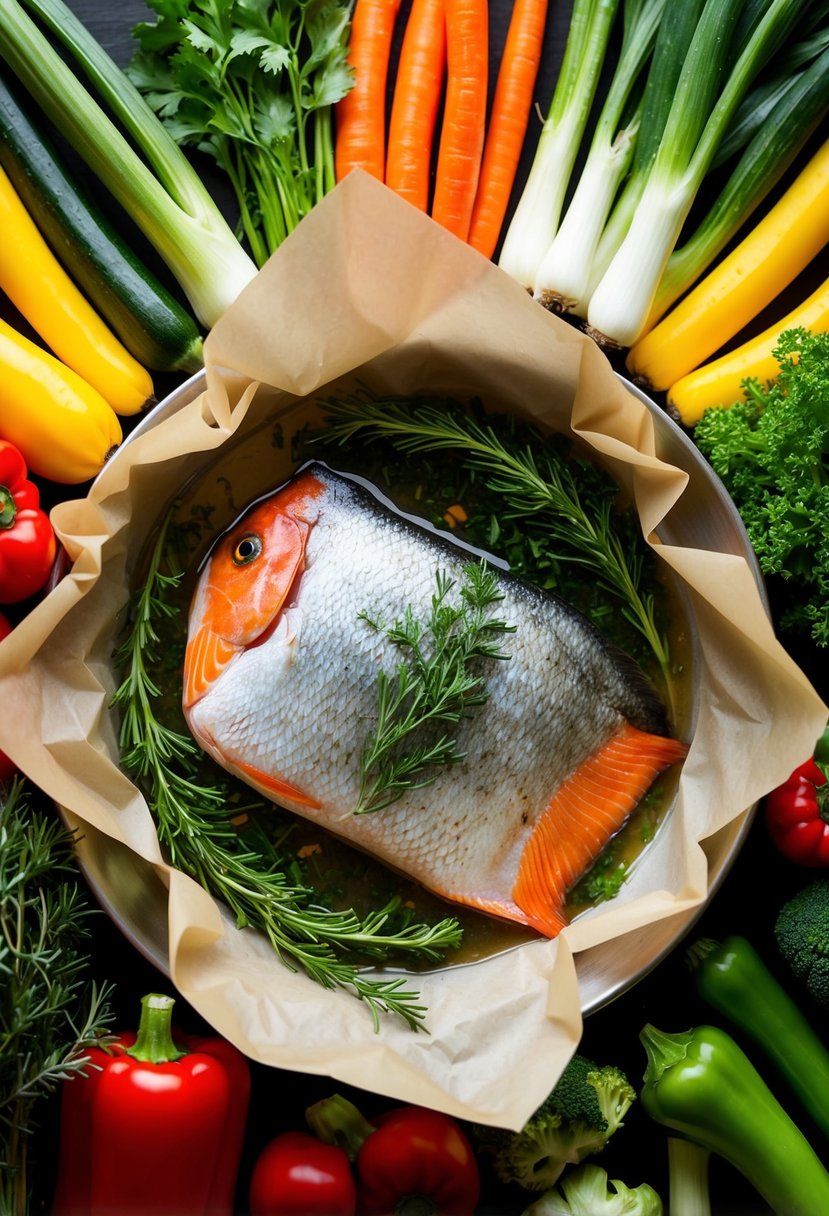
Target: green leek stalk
x: 676, y: 29
x: 537, y: 214
x: 699, y: 116
x: 688, y: 1189
x: 563, y: 275
x: 700, y: 1085
x: 169, y: 203
x: 789, y: 124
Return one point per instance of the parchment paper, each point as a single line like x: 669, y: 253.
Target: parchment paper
x: 368, y: 286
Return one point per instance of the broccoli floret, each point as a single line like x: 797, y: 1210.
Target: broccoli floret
x: 802, y: 933
x: 586, y: 1192
x: 577, y: 1119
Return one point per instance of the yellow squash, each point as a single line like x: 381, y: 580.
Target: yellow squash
x: 719, y: 383
x: 41, y: 290
x: 784, y: 242
x: 63, y: 426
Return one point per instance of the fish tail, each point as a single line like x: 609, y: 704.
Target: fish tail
x: 587, y: 810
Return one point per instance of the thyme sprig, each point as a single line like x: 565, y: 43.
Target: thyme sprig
x: 534, y: 478
x: 436, y: 683
x: 261, y: 889
x: 50, y: 1012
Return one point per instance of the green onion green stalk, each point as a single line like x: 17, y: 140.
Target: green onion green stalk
x: 701, y: 111
x: 537, y: 214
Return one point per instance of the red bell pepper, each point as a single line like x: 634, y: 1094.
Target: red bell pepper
x: 797, y: 812
x: 409, y: 1162
x: 27, y: 539
x: 298, y: 1175
x: 153, y: 1126
x: 7, y: 769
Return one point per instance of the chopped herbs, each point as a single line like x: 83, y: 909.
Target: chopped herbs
x: 251, y: 83
x: 434, y: 684
x: 261, y: 885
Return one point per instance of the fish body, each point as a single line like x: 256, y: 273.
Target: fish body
x: 280, y: 687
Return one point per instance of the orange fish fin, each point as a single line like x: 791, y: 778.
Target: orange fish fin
x: 277, y: 787
x: 589, y: 808
x: 207, y: 654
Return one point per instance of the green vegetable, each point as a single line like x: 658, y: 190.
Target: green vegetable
x: 153, y: 326
x: 537, y: 213
x: 261, y: 887
x: 562, y: 276
x: 50, y: 1013
x: 539, y: 485
x: 733, y: 978
x: 688, y: 1191
x: 712, y: 83
x: 253, y: 86
x: 587, y: 1192
x: 788, y: 124
x: 770, y: 450
x: 802, y: 934
x: 578, y: 1118
x: 700, y: 1084
x: 168, y: 202
x: 435, y: 683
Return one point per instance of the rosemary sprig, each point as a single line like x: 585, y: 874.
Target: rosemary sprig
x: 260, y: 889
x: 49, y: 1012
x: 434, y: 684
x: 534, y: 479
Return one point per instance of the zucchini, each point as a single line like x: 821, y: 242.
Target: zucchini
x: 152, y: 325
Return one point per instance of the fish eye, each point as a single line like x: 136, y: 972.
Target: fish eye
x: 246, y: 549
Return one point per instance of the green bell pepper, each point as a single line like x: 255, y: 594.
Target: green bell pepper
x: 701, y: 1084
x: 732, y: 977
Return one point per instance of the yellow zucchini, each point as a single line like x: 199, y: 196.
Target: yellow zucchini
x: 769, y: 258
x: 719, y: 383
x: 63, y: 427
x: 41, y: 290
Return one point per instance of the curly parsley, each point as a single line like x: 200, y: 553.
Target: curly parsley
x: 772, y: 452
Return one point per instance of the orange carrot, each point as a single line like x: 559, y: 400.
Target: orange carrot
x: 415, y: 104
x: 361, y: 115
x: 464, y: 116
x: 508, y: 122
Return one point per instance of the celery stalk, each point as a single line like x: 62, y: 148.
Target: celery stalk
x: 537, y: 214
x: 169, y: 203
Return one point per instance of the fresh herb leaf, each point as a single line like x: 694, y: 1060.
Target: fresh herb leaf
x: 434, y: 684
x: 261, y: 888
x: 772, y: 452
x: 49, y: 1012
x: 251, y: 83
x: 540, y: 488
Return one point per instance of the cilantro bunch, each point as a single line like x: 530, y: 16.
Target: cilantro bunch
x: 771, y: 451
x: 251, y: 83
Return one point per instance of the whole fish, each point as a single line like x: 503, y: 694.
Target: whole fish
x: 280, y: 687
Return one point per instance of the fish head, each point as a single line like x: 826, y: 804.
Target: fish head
x: 250, y: 575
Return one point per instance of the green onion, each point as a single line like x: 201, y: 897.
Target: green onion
x: 537, y: 214
x: 170, y: 204
x: 700, y: 113
x: 789, y: 124
x: 563, y: 275
x: 676, y: 29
